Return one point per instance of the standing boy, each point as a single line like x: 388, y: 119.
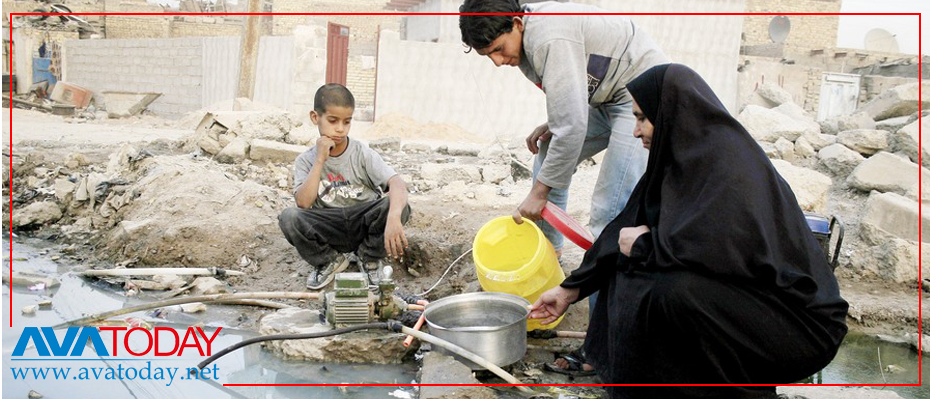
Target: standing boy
x: 340, y: 207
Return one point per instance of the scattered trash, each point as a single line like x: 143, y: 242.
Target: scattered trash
x: 37, y: 287
x: 195, y: 307
x: 135, y: 322
x: 401, y: 394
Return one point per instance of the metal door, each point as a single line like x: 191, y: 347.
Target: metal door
x: 337, y: 53
x: 839, y: 95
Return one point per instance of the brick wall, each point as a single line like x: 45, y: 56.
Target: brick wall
x: 807, y: 32
x: 205, y: 26
x: 172, y: 67
x: 138, y: 27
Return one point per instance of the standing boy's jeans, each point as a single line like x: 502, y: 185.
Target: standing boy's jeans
x: 610, y: 127
x: 321, y: 234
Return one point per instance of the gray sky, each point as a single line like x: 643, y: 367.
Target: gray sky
x: 853, y: 29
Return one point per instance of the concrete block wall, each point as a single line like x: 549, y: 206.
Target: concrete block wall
x: 360, y: 80
x: 208, y: 27
x: 172, y: 67
x: 807, y: 31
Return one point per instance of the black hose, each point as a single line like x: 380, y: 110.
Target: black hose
x: 389, y: 325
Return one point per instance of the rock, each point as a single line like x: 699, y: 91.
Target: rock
x: 784, y: 149
x: 235, y: 152
x: 45, y: 305
x: 416, y: 148
x: 774, y: 94
x: 855, y: 121
x: 894, y: 368
x: 441, y: 369
x: 908, y: 139
x: 209, y: 145
x: 36, y: 213
x: 64, y: 190
x: 459, y: 150
x: 170, y: 281
x: 886, y: 172
x: 893, y: 124
x: 768, y: 125
x: 225, y: 138
x: 274, y: 151
x: 450, y: 172
x: 895, y: 215
x: 495, y: 173
x: 912, y: 338
x: 769, y: 149
x: 809, y: 186
x: 208, y: 286
x: 30, y: 279
x: 803, y: 148
x: 76, y: 160
x: 195, y: 307
x: 304, y: 135
x: 797, y: 113
x: 30, y: 310
x: 894, y: 260
x: 828, y: 392
x: 898, y: 101
x: 839, y: 159
x: 40, y: 172
x: 360, y: 347
x: 34, y: 395
x: 385, y: 144
x: 864, y: 141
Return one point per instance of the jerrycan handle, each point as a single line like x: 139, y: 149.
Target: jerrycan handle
x: 839, y: 240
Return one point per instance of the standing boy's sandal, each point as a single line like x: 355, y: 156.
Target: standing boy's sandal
x: 575, y: 367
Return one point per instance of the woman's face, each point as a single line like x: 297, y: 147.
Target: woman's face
x: 643, y: 130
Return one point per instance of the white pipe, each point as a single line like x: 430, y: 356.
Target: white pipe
x: 159, y: 271
x: 458, y: 350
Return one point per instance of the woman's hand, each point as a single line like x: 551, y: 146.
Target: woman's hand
x: 628, y: 236
x: 552, y: 304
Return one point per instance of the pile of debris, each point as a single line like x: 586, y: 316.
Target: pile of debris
x: 860, y: 167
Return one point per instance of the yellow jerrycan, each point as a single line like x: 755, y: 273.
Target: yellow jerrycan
x: 516, y: 259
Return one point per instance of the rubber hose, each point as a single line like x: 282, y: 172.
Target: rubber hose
x: 281, y: 337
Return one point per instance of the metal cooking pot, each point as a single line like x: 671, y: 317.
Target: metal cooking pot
x: 490, y: 324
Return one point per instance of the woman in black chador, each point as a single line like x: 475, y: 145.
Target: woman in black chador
x: 710, y: 275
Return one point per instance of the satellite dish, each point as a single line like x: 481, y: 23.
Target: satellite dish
x: 879, y: 39
x: 779, y: 28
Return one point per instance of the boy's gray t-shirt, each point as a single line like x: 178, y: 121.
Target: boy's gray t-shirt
x: 357, y: 175
x: 580, y: 61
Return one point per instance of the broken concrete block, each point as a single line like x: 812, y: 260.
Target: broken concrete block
x: 195, y: 307
x: 893, y: 260
x: 64, y: 190
x: 827, y: 392
x: 855, y: 121
x: 495, y: 173
x: 170, y: 281
x: 460, y: 150
x: 76, y: 160
x: 121, y: 104
x: 442, y: 369
x: 275, y: 151
x: 36, y: 213
x: 797, y: 113
x: 774, y: 94
x: 305, y: 135
x: 769, y: 149
x: 864, y: 141
x: 768, y: 125
x: 819, y: 141
x: 225, y: 138
x: 803, y: 148
x: 840, y: 159
x: 385, y: 144
x: 896, y: 215
x: 785, y: 149
x: 908, y: 140
x: 209, y: 145
x: 809, y: 186
x: 447, y: 172
x: 235, y: 152
x: 378, y: 347
x: 893, y: 124
x: 886, y: 172
x: 208, y: 286
x: 898, y: 101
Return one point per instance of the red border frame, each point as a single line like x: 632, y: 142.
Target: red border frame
x: 919, y: 179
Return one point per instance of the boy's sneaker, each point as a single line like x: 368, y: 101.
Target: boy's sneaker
x: 373, y: 270
x: 312, y: 276
x: 328, y: 273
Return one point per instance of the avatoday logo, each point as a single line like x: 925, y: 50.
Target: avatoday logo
x: 75, y: 340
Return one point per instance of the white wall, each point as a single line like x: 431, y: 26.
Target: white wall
x: 439, y: 82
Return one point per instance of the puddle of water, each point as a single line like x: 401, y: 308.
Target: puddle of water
x: 251, y: 365
x: 856, y: 363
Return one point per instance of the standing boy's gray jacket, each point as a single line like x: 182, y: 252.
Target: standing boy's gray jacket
x: 580, y: 61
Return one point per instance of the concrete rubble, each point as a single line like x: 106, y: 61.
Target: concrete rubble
x: 442, y: 369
